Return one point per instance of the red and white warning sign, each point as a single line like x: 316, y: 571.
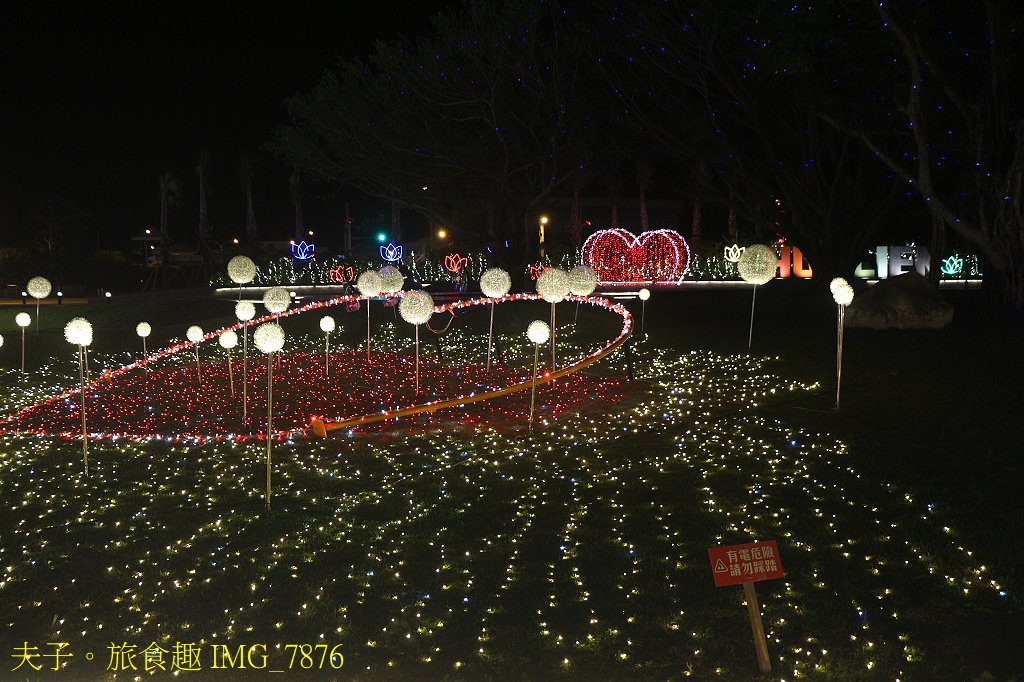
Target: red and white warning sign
x: 748, y: 563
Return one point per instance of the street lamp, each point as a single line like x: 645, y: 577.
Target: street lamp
x: 543, y: 222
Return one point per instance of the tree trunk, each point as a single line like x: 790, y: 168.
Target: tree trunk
x: 696, y: 227
x: 575, y: 221
x: 936, y: 248
x: 396, y: 220
x: 645, y: 223
x: 250, y: 218
x: 732, y: 228
x: 1004, y: 283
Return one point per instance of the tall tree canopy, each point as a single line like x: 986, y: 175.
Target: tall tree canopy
x: 738, y: 93
x: 473, y: 126
x: 950, y: 123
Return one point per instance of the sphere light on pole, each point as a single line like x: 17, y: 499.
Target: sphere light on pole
x: 391, y: 278
x: 644, y: 295
x: 842, y: 294
x: 494, y: 283
x: 416, y: 308
x: 78, y: 332
x: 327, y: 325
x: 195, y: 334
x: 369, y: 285
x: 23, y: 320
x: 228, y: 340
x: 38, y: 288
x: 757, y: 265
x: 537, y: 332
x: 276, y: 300
x: 245, y: 311
x: 269, y: 338
x: 553, y: 286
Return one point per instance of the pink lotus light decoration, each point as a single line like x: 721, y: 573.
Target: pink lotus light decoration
x: 455, y: 263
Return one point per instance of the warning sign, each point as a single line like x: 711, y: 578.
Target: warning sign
x: 737, y: 564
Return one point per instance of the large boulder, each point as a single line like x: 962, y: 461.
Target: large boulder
x: 908, y: 301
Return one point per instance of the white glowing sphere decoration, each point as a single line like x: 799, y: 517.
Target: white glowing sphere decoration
x: 241, y: 270
x: 276, y: 299
x: 553, y: 285
x: 23, y: 319
x: 143, y: 329
x: 391, y: 278
x: 538, y: 332
x: 369, y: 284
x: 757, y: 264
x: 495, y: 283
x: 194, y: 333
x: 327, y: 324
x: 228, y: 340
x: 78, y: 331
x: 1, y: 339
x: 269, y: 337
x: 582, y: 280
x: 644, y: 294
x: 416, y: 307
x: 245, y: 311
x: 842, y: 292
x: 39, y: 287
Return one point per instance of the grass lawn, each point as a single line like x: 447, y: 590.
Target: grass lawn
x: 455, y: 546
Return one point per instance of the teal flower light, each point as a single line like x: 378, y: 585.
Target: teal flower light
x: 952, y: 266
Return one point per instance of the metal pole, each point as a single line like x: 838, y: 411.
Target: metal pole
x: 145, y: 356
x: 417, y: 359
x: 37, y: 316
x: 552, y: 337
x: 490, y: 337
x: 533, y: 387
x: 85, y: 437
x: 327, y: 355
x: 643, y: 314
x: 245, y: 369
x: 231, y: 374
x: 753, y: 299
x: 199, y: 372
x: 22, y: 350
x: 839, y: 352
x: 270, y: 399
x: 367, y: 328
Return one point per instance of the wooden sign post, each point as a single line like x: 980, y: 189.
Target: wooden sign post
x: 745, y: 565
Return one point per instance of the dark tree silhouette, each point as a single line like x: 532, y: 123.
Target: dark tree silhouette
x: 170, y: 197
x: 246, y: 175
x: 296, y: 190
x: 475, y: 125
x: 203, y: 175
x: 735, y: 92
x: 950, y: 124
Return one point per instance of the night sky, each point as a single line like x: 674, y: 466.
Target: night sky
x: 100, y: 99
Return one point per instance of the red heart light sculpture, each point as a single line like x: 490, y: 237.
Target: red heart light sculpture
x: 617, y: 255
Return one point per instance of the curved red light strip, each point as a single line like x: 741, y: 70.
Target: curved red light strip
x: 291, y: 433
